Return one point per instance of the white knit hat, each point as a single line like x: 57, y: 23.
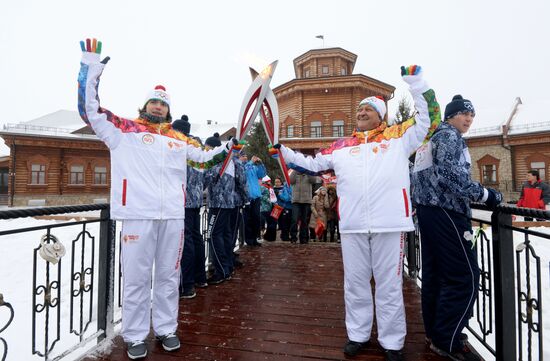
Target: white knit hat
x: 159, y: 93
x: 377, y: 103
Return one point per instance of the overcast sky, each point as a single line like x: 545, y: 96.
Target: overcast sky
x: 489, y: 51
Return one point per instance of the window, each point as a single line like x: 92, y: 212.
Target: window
x: 76, y: 175
x: 38, y: 174
x: 290, y: 131
x: 489, y: 174
x: 100, y: 175
x: 338, y: 128
x: 541, y: 167
x: 316, y: 129
x: 306, y: 73
x: 4, y: 180
x: 324, y: 69
x: 343, y: 71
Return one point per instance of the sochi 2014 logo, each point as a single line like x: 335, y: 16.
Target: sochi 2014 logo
x: 355, y: 151
x: 148, y: 139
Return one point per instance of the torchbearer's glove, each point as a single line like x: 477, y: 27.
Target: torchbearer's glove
x: 91, y: 51
x: 413, y: 75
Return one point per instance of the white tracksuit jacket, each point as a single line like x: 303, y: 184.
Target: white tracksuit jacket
x: 148, y: 161
x: 372, y: 170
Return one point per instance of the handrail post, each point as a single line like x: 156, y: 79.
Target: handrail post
x: 503, y: 253
x: 105, y: 308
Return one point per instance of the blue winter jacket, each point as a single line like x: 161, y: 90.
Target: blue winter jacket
x: 220, y: 188
x: 194, y: 188
x: 284, y: 196
x: 240, y: 193
x: 442, y: 177
x: 254, y: 172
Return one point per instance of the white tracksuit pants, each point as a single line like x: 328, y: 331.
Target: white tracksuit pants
x: 379, y: 255
x: 145, y: 242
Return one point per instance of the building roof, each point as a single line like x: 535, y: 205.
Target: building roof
x: 531, y: 118
x: 64, y: 119
x: 527, y: 117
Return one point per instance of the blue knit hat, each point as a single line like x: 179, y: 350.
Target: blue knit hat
x: 458, y: 105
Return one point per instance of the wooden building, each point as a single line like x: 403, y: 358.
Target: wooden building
x: 503, y: 154
x: 319, y: 105
x: 56, y: 166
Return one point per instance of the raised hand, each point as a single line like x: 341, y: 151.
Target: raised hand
x: 274, y: 150
x: 413, y: 75
x: 411, y: 70
x: 236, y: 144
x: 91, y: 50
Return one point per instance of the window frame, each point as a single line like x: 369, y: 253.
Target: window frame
x: 290, y: 131
x: 316, y: 129
x: 40, y: 171
x: 493, y: 172
x: 71, y: 173
x: 338, y: 129
x: 44, y: 163
x: 542, y: 170
x: 102, y: 175
x: 488, y: 160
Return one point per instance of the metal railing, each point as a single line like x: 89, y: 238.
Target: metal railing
x: 508, y: 319
x: 34, y: 129
x: 87, y: 291
x: 508, y: 314
x: 76, y: 298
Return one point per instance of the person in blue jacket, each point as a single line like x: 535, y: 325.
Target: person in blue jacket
x: 193, y: 272
x: 255, y: 171
x: 442, y: 192
x: 240, y: 198
x: 220, y: 206
x: 284, y: 199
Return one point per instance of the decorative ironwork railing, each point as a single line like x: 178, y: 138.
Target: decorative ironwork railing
x: 508, y: 314
x: 73, y: 290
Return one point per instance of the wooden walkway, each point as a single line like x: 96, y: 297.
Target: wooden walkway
x: 285, y: 304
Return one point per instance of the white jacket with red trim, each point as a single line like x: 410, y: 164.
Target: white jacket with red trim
x: 372, y: 170
x: 148, y: 161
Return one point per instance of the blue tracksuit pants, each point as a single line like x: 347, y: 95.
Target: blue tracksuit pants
x: 450, y: 274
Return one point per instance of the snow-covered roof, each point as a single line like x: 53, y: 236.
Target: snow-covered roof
x: 63, y: 119
x: 204, y: 130
x: 529, y: 117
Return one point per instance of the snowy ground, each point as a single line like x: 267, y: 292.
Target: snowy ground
x: 16, y: 286
x: 16, y: 270
x: 542, y: 249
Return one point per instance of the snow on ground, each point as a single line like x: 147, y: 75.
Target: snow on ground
x: 16, y: 285
x: 16, y: 278
x: 541, y: 248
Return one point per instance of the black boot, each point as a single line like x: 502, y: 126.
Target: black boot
x: 352, y: 348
